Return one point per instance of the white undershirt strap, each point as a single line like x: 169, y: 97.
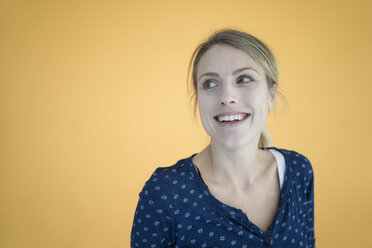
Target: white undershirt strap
x: 281, y: 165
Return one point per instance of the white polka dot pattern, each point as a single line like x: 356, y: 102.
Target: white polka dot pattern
x: 176, y: 209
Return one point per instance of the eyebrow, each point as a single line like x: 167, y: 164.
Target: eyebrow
x: 234, y: 72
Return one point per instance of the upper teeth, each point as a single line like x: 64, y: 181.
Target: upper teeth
x: 238, y: 117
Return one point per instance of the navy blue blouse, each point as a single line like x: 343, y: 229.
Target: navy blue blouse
x: 176, y: 209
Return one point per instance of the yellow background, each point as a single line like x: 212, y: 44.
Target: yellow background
x: 93, y: 98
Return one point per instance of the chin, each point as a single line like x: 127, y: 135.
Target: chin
x: 232, y: 143
x: 237, y: 140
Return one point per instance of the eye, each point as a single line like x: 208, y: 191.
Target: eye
x: 245, y: 79
x: 209, y: 84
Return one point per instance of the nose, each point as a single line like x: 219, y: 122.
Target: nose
x: 227, y: 101
x: 227, y: 96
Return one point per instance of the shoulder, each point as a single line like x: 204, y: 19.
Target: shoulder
x: 163, y: 178
x: 290, y: 153
x: 295, y: 157
x: 154, y: 220
x: 297, y: 163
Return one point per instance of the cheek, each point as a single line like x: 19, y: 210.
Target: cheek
x: 206, y: 109
x: 205, y: 103
x: 253, y: 100
x: 258, y: 100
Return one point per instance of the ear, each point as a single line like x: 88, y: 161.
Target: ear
x: 272, y: 96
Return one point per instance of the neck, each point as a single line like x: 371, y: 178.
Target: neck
x: 240, y: 167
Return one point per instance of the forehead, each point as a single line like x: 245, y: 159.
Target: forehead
x: 224, y: 59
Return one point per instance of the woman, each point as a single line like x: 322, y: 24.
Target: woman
x: 240, y: 191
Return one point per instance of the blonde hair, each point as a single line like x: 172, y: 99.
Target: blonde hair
x: 250, y: 45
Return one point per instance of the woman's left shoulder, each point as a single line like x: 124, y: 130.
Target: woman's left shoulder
x: 297, y: 162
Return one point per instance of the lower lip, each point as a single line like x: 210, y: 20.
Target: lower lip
x: 232, y: 123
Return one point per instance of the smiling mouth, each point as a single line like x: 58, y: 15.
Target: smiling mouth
x: 233, y: 118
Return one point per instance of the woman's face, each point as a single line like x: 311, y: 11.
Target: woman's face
x: 233, y: 96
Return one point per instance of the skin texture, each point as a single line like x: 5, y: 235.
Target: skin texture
x: 228, y: 92
x: 236, y: 171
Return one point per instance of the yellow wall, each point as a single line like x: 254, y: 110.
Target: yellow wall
x: 93, y: 98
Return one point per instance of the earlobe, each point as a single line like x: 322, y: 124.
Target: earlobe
x: 272, y: 100
x: 271, y: 104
